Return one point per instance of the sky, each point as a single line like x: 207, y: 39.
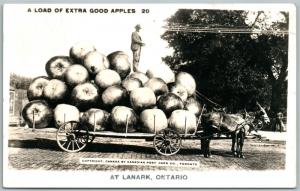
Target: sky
x: 31, y: 39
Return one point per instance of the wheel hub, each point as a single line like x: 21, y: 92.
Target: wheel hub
x: 167, y: 142
x: 71, y: 136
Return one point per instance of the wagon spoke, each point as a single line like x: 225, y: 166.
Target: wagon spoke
x: 73, y: 145
x: 166, y: 150
x: 77, y: 140
x: 177, y: 147
x: 161, y: 137
x: 162, y: 147
x: 77, y: 144
x: 159, y: 144
x: 68, y: 145
x: 159, y: 148
x: 64, y: 143
x: 172, y: 147
x: 174, y: 139
x: 159, y: 141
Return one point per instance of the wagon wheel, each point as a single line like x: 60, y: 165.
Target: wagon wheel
x: 72, y: 137
x: 167, y: 142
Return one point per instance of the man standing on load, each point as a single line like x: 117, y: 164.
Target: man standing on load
x: 136, y: 45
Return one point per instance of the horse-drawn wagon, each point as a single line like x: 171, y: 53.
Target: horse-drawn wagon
x: 74, y: 136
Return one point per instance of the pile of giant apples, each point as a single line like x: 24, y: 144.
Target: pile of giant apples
x: 103, y: 94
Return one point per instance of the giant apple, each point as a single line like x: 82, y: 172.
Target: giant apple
x: 153, y: 120
x: 187, y: 81
x: 139, y: 75
x: 85, y: 96
x: 162, y: 71
x: 157, y: 85
x: 179, y: 90
x: 121, y: 117
x: 95, y: 62
x: 106, y: 78
x: 183, y: 121
x: 64, y: 113
x: 80, y: 50
x: 37, y: 112
x: 114, y: 95
x: 36, y: 87
x: 57, y: 66
x: 169, y: 102
x: 142, y: 98
x: 193, y: 106
x: 131, y: 84
x: 56, y: 91
x: 96, y: 119
x: 119, y: 62
x: 76, y: 74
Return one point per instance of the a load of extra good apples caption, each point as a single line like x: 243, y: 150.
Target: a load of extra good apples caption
x: 101, y: 92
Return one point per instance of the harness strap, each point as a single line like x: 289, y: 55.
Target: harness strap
x: 221, y: 120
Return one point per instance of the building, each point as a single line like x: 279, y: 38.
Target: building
x: 17, y: 100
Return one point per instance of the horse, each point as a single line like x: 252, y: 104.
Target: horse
x: 235, y: 125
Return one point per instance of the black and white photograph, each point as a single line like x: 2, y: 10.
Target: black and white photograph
x: 149, y: 95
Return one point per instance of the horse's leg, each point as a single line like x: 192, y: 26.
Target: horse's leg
x: 234, y: 142
x: 238, y: 145
x: 241, y: 143
x: 206, y: 145
x: 202, y: 145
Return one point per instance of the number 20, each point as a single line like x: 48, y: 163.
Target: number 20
x: 145, y: 11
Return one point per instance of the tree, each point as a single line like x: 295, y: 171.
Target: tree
x: 272, y: 57
x: 227, y: 66
x: 19, y: 82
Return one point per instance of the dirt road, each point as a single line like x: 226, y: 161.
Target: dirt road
x: 38, y: 150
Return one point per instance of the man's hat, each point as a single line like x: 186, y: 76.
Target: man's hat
x: 138, y: 26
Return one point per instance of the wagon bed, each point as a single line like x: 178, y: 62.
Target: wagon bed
x: 122, y: 135
x: 73, y: 136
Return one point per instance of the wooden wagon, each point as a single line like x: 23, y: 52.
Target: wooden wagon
x: 74, y: 136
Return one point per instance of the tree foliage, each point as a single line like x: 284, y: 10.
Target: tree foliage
x: 234, y: 69
x: 19, y: 82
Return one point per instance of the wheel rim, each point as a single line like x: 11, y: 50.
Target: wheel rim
x: 72, y: 137
x: 167, y: 142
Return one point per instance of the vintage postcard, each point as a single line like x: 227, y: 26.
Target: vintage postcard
x: 149, y: 96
